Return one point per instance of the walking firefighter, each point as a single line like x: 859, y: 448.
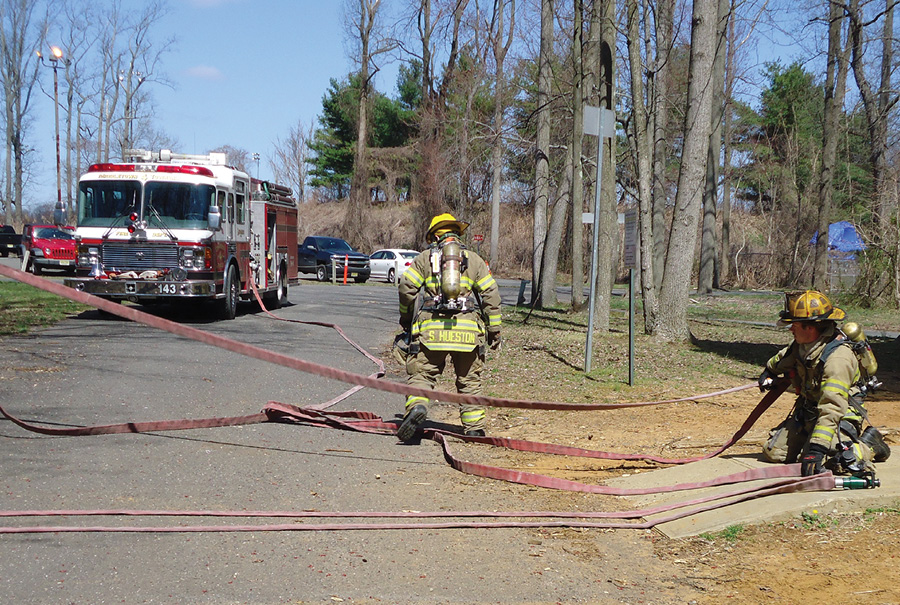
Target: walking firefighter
x: 832, y: 370
x: 450, y: 308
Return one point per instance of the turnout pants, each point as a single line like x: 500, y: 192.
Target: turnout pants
x: 787, y: 441
x: 426, y: 365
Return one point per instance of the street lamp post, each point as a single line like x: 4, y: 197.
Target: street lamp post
x: 54, y: 59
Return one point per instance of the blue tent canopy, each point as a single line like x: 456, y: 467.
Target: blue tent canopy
x: 842, y: 236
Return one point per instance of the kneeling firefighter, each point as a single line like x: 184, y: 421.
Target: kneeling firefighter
x: 460, y: 312
x: 832, y: 371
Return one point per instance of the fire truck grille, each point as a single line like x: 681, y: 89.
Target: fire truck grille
x: 128, y: 257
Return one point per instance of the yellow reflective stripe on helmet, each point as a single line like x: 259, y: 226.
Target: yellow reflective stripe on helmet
x: 486, y: 282
x: 414, y: 277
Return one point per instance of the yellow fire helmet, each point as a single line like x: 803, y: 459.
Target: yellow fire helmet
x: 442, y: 224
x: 809, y: 305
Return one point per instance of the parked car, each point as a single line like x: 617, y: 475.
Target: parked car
x: 48, y: 247
x: 390, y: 263
x: 325, y: 256
x: 9, y: 240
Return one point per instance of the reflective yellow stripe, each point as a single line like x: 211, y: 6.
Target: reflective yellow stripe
x: 495, y: 320
x: 472, y: 416
x: 415, y: 400
x: 486, y: 282
x: 822, y: 433
x: 452, y: 323
x: 836, y: 386
x: 414, y: 277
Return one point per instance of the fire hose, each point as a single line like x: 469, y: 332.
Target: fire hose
x: 786, y: 476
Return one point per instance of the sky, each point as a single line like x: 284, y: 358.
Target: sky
x: 244, y: 73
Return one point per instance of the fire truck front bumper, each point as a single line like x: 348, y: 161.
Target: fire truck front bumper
x: 136, y: 289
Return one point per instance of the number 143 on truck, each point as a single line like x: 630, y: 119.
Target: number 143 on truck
x: 169, y: 227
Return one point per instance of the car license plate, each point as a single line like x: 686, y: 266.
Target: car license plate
x: 65, y: 263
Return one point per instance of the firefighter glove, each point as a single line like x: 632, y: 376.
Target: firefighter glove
x: 811, y: 463
x: 493, y: 340
x: 766, y: 380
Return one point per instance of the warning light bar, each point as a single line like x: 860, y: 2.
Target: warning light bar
x: 196, y: 170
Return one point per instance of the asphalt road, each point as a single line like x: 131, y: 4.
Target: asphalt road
x: 92, y: 370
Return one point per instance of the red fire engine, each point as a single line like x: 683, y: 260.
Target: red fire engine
x: 164, y: 226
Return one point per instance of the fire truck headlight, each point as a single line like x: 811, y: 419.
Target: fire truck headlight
x: 88, y: 256
x: 195, y: 258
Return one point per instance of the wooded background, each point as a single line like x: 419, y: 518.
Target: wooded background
x: 732, y: 166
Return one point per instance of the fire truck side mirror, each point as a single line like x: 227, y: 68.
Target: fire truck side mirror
x: 59, y: 214
x: 215, y: 218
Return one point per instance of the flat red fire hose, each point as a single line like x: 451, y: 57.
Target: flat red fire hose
x: 786, y: 475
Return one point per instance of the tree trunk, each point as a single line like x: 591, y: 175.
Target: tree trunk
x: 555, y: 237
x: 603, y: 37
x: 682, y: 241
x: 542, y: 158
x: 835, y: 88
x: 725, y: 246
x: 707, y: 279
x: 577, y: 138
x: 500, y: 51
x: 661, y: 151
x: 641, y: 150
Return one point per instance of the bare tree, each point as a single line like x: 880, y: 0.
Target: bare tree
x: 575, y: 157
x: 501, y: 9
x: 289, y: 162
x: 682, y: 240
x: 708, y: 277
x: 661, y: 75
x: 835, y: 89
x: 78, y: 36
x: 878, y: 103
x: 600, y: 57
x: 21, y: 35
x: 641, y: 149
x: 236, y: 156
x: 142, y: 64
x: 542, y: 161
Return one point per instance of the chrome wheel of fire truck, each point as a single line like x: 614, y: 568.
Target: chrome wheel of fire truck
x: 282, y: 292
x: 228, y: 305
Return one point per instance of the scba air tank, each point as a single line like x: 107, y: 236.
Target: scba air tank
x: 866, y: 358
x: 451, y: 262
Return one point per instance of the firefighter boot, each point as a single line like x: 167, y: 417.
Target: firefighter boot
x: 413, y: 419
x: 880, y: 450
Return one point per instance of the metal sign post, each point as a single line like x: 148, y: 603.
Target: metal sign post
x: 631, y: 224
x: 601, y: 123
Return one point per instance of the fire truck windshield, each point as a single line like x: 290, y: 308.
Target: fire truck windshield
x: 177, y: 205
x: 174, y: 205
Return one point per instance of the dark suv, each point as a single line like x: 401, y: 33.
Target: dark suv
x: 331, y: 256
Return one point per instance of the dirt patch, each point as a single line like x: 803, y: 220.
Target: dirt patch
x: 848, y: 557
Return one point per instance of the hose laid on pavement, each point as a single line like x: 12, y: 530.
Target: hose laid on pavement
x: 367, y: 422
